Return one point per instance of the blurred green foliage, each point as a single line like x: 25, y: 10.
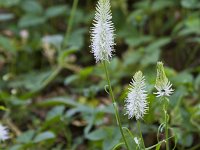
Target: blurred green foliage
x: 52, y: 92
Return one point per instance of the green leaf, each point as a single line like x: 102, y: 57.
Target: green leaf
x: 62, y: 58
x: 113, y: 137
x: 6, y: 16
x: 183, y: 78
x: 6, y: 44
x: 55, y: 11
x: 191, y: 4
x: 54, y: 40
x: 32, y: 7
x: 31, y: 20
x: 16, y: 147
x: 58, y: 101
x: 136, y: 41
x: 77, y: 38
x: 130, y: 138
x: 118, y: 145
x: 3, y: 108
x: 159, y: 5
x: 55, y: 111
x: 9, y: 3
x: 26, y: 137
x: 157, y: 44
x: 96, y: 135
x: 44, y: 136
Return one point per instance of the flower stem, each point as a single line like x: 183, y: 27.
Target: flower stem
x: 166, y: 123
x: 138, y: 125
x: 114, y: 104
x: 69, y: 28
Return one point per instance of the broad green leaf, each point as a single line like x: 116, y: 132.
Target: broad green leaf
x: 191, y: 4
x: 62, y: 58
x: 77, y: 38
x: 6, y: 16
x: 159, y: 5
x: 44, y: 136
x: 157, y: 44
x: 96, y: 135
x: 130, y: 138
x: 2, y: 108
x: 55, y: 11
x: 26, y: 137
x: 113, y: 137
x: 32, y: 7
x: 7, y: 44
x: 136, y: 41
x: 58, y: 101
x: 31, y: 20
x: 54, y: 40
x: 183, y: 78
x: 9, y: 3
x: 16, y: 147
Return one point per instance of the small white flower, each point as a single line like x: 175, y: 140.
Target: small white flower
x: 162, y: 85
x: 136, y: 141
x: 102, y: 33
x: 136, y: 104
x: 3, y: 133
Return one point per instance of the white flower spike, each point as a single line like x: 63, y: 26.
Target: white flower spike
x: 162, y: 85
x: 102, y: 33
x: 3, y: 133
x: 136, y: 103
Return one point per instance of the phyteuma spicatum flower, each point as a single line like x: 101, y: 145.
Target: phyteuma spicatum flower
x: 163, y: 85
x: 136, y: 103
x: 3, y: 133
x: 102, y: 33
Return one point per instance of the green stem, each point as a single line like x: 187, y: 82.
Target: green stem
x: 51, y: 77
x: 114, y: 104
x: 69, y: 28
x: 166, y: 123
x: 138, y: 125
x: 158, y: 143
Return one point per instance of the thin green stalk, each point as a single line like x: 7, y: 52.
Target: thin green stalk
x: 114, y: 104
x: 166, y: 124
x: 51, y: 77
x: 138, y: 125
x: 71, y: 18
x: 158, y: 143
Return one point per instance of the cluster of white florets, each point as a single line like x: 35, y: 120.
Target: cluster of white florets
x: 102, y: 33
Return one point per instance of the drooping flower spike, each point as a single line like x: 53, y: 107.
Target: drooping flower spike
x: 102, y: 33
x: 3, y: 133
x: 163, y: 85
x: 136, y: 103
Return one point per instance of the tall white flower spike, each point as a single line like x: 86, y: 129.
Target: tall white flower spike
x: 136, y: 103
x: 162, y: 85
x: 3, y: 133
x: 102, y: 33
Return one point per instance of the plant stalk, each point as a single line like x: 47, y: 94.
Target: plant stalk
x: 71, y: 18
x: 166, y: 123
x: 114, y: 104
x: 138, y: 125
